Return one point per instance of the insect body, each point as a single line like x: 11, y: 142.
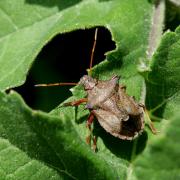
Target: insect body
x: 116, y: 112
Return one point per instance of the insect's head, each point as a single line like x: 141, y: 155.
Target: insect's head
x: 88, y: 82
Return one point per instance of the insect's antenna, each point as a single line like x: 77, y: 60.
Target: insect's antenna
x: 56, y: 84
x: 92, y: 52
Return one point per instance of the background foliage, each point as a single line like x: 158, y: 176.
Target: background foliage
x: 39, y: 145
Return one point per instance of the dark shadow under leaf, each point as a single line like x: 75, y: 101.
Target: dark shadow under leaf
x: 61, y: 4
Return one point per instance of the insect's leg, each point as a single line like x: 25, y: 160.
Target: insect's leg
x: 95, y: 143
x: 88, y: 125
x: 76, y: 103
x: 90, y: 120
x: 149, y: 122
x: 90, y: 136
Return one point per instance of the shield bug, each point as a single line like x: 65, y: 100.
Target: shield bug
x: 117, y: 112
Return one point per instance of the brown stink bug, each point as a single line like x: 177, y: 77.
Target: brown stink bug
x: 118, y: 113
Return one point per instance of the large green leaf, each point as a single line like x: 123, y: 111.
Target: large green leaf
x: 52, y: 146
x: 28, y: 25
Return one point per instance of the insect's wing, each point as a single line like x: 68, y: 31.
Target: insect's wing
x: 108, y: 121
x: 102, y: 91
x: 129, y: 129
x: 128, y: 103
x: 110, y: 105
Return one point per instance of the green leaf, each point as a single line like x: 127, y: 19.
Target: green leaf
x: 16, y: 164
x: 37, y: 145
x: 160, y: 158
x: 163, y: 81
x: 50, y: 145
x: 32, y: 24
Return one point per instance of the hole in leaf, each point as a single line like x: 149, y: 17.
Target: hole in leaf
x: 172, y: 16
x: 64, y: 59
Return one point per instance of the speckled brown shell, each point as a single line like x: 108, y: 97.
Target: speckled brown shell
x: 119, y: 114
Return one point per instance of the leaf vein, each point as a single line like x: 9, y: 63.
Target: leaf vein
x: 9, y: 19
x: 21, y: 167
x: 5, y: 149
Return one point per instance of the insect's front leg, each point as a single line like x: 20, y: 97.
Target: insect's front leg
x: 148, y: 120
x: 90, y: 121
x: 90, y: 136
x: 76, y: 103
x: 88, y: 125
